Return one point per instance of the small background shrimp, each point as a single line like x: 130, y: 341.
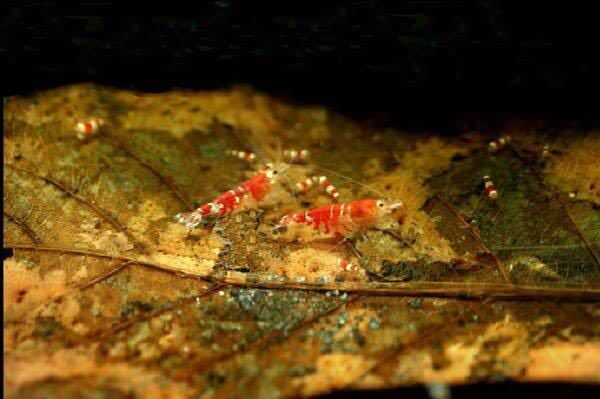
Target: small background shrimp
x: 88, y: 127
x: 297, y: 178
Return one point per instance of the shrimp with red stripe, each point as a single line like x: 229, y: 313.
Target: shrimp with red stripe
x: 341, y: 220
x: 260, y: 190
x: 88, y: 127
x: 490, y: 188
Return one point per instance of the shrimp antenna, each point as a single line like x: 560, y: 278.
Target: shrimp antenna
x: 352, y: 180
x: 281, y: 159
x: 279, y: 151
x: 250, y: 142
x: 280, y: 156
x: 291, y: 189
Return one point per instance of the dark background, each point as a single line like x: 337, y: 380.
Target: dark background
x: 408, y: 63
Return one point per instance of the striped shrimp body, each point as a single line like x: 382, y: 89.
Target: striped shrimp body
x: 340, y: 220
x: 88, y: 127
x: 259, y: 190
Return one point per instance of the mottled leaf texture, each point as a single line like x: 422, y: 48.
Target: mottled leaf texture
x: 105, y: 294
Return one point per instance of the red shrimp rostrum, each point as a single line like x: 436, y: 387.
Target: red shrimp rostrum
x: 246, y: 196
x: 341, y: 220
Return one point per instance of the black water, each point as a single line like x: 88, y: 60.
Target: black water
x: 406, y: 64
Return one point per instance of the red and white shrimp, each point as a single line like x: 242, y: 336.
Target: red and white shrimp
x: 243, y: 155
x: 490, y: 189
x: 87, y: 128
x: 259, y: 190
x: 296, y: 156
x: 341, y: 220
x: 318, y: 181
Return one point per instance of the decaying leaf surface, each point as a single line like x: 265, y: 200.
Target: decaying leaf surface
x: 105, y: 293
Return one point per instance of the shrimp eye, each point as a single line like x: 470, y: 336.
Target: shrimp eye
x: 274, y: 172
x: 380, y: 204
